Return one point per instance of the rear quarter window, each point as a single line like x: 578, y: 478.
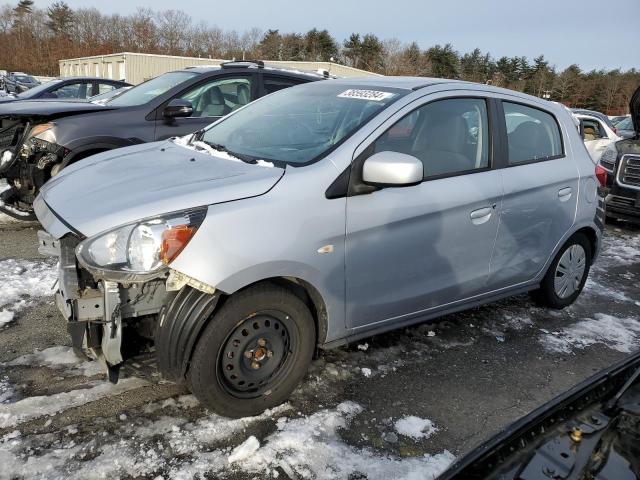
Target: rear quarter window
x: 532, y: 134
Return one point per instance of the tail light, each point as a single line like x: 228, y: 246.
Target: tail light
x: 601, y: 175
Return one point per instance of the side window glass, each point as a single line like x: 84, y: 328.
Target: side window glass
x: 273, y: 84
x: 448, y: 136
x: 592, y: 130
x: 532, y: 134
x: 72, y: 90
x: 104, y: 88
x: 219, y: 96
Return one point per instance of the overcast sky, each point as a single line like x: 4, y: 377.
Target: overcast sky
x: 592, y: 33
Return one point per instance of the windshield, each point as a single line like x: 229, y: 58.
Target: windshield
x: 25, y: 79
x: 299, y: 124
x: 625, y: 124
x: 32, y: 92
x: 147, y: 91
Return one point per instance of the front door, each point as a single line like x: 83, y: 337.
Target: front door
x: 211, y: 100
x: 410, y: 249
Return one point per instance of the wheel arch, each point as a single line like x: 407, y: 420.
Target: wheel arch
x: 183, y: 320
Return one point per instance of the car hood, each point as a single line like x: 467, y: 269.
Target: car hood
x: 52, y: 109
x: 128, y: 184
x: 634, y: 108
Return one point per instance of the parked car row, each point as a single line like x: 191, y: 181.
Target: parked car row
x: 18, y: 82
x: 72, y: 88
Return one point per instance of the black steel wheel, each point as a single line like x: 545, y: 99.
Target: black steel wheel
x: 256, y: 353
x: 253, y: 352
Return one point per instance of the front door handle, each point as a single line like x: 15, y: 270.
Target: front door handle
x: 482, y: 215
x: 564, y: 194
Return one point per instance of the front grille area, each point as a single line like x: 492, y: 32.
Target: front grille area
x: 629, y: 171
x: 622, y: 201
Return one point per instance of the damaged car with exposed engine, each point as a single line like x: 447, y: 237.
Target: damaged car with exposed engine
x: 38, y: 139
x: 620, y: 164
x: 316, y: 216
x: 591, y: 432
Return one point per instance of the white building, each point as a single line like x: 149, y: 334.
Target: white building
x: 138, y: 67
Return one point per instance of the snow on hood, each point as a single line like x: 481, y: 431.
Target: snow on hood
x: 128, y: 184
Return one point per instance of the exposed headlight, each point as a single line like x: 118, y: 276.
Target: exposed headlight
x: 140, y: 249
x: 608, y: 158
x: 43, y: 132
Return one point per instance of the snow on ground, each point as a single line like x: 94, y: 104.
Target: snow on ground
x: 59, y: 357
x: 20, y: 279
x: 415, y: 427
x: 621, y: 334
x: 622, y: 248
x: 12, y: 414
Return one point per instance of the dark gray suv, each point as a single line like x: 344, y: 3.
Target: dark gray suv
x: 38, y: 139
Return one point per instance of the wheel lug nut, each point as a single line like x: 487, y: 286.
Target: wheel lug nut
x: 248, y: 354
x: 255, y: 365
x: 262, y: 342
x: 269, y: 354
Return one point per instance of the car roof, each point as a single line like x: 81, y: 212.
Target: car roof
x: 249, y: 67
x: 89, y: 79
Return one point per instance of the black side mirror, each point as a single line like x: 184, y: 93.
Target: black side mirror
x: 177, y: 108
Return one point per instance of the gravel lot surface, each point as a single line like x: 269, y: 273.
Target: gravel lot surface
x: 399, y: 405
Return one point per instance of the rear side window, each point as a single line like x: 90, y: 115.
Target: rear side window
x: 532, y: 134
x: 273, y: 84
x: 592, y: 130
x: 448, y: 136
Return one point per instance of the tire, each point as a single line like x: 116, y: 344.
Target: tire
x: 556, y: 293
x: 263, y: 336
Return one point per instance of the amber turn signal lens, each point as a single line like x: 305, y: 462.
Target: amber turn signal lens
x: 173, y: 242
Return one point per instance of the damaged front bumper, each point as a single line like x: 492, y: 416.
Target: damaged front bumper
x: 27, y: 163
x: 98, y: 312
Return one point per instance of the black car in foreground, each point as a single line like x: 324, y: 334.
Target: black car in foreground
x: 18, y: 82
x: 591, y: 432
x: 38, y: 139
x: 71, y: 88
x: 620, y: 162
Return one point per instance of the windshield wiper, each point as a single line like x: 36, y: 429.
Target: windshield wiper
x: 222, y: 148
x: 613, y: 401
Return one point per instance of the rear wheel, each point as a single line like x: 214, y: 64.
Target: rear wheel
x: 253, y: 352
x: 567, y: 274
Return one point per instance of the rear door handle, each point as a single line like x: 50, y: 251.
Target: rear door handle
x: 564, y: 194
x: 481, y: 215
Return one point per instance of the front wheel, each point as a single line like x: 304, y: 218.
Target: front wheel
x: 567, y: 274
x: 253, y: 353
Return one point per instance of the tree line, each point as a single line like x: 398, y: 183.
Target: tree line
x: 34, y: 39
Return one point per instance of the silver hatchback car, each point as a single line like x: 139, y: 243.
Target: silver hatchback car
x: 317, y: 216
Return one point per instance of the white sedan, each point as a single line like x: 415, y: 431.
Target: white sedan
x: 597, y: 135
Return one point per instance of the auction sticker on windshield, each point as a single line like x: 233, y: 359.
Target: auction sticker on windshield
x: 374, y: 95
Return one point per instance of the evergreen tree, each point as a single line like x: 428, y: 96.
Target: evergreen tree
x: 271, y: 45
x: 60, y: 18
x: 353, y: 49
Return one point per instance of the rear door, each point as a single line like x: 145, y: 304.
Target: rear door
x: 414, y: 248
x: 540, y: 181
x: 211, y: 99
